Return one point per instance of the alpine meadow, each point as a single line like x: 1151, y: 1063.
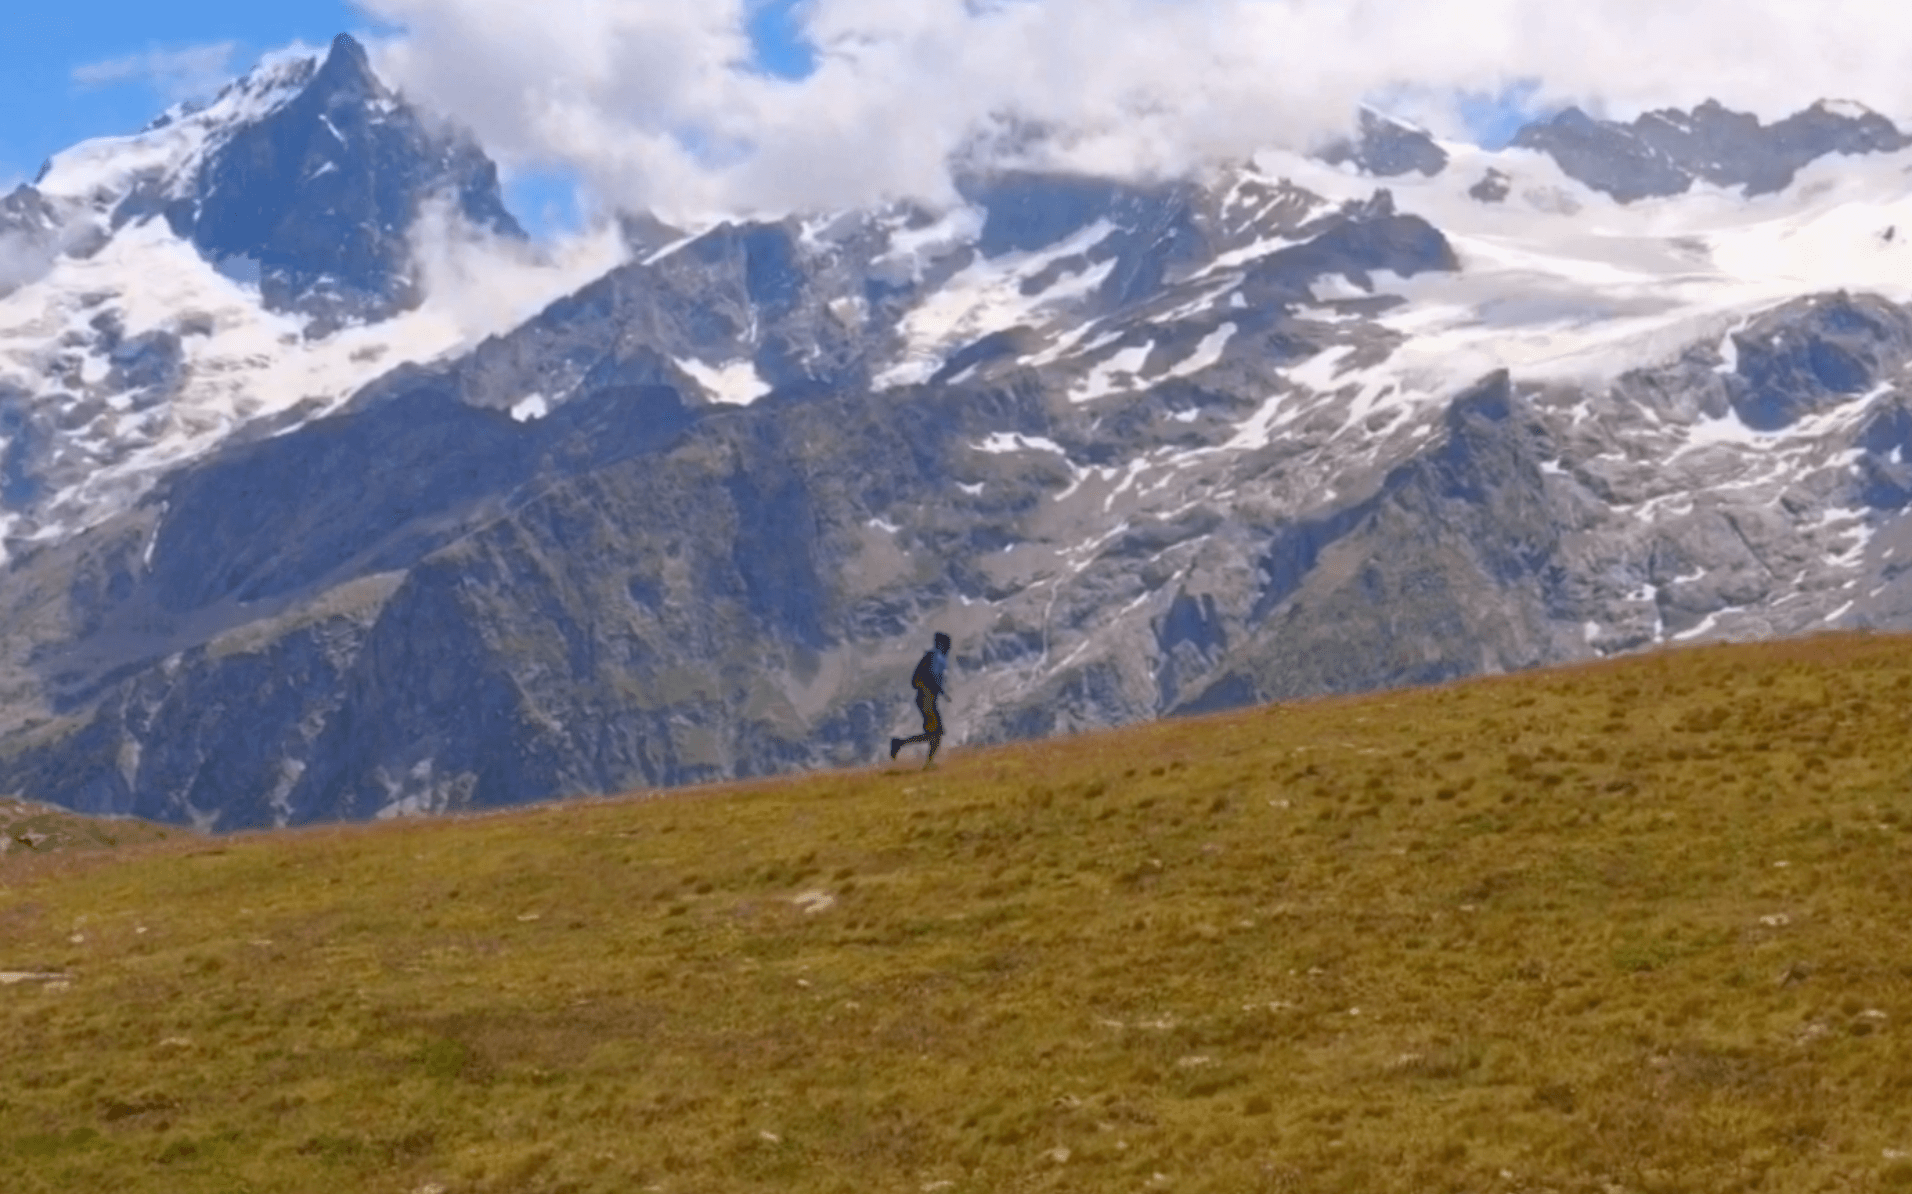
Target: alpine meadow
x: 1635, y: 925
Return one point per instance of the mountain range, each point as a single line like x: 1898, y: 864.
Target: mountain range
x: 286, y: 541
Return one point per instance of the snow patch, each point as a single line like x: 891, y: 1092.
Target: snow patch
x: 659, y: 254
x: 1319, y: 372
x: 1236, y: 258
x: 1000, y: 442
x: 735, y: 383
x: 239, y: 363
x: 1066, y: 343
x: 1848, y: 109
x: 1706, y: 624
x: 530, y: 408
x: 1207, y: 354
x: 1860, y: 533
x: 1118, y: 373
x: 1258, y: 429
x: 992, y: 295
x: 1331, y: 288
x: 918, y: 246
x: 1729, y: 351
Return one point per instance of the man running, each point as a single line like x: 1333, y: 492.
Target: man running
x: 929, y: 686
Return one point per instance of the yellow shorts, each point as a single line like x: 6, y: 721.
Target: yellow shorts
x: 926, y: 704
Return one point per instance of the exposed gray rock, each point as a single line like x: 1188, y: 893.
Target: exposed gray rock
x: 1356, y: 243
x: 1387, y: 148
x: 1814, y: 354
x: 1492, y: 187
x: 1732, y: 149
x: 768, y: 460
x: 215, y: 736
x: 1442, y: 572
x: 1663, y: 152
x: 1606, y: 156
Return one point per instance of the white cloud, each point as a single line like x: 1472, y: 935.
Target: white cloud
x: 486, y: 284
x: 30, y: 246
x: 656, y: 103
x: 23, y: 259
x: 175, y: 74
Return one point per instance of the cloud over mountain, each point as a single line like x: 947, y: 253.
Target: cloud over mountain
x: 662, y: 104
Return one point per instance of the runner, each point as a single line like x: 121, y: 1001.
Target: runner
x: 929, y: 687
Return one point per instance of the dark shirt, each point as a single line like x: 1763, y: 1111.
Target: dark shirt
x: 929, y: 673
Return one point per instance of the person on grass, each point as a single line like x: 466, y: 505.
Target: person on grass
x: 928, y: 681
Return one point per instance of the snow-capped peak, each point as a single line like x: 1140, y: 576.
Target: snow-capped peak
x: 248, y: 262
x: 100, y: 172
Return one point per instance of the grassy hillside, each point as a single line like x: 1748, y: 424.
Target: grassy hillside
x: 1641, y: 926
x: 40, y: 830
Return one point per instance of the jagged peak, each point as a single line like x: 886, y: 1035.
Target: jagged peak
x: 1368, y: 116
x: 1385, y: 145
x: 1707, y: 111
x: 1571, y: 116
x: 1665, y: 151
x: 347, y: 68
x: 348, y: 49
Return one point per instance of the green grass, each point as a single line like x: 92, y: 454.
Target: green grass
x: 1521, y: 934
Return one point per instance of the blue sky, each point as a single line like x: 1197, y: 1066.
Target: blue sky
x: 44, y: 108
x: 74, y: 69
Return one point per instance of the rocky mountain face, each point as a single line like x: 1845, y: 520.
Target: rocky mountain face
x: 1291, y: 427
x: 232, y: 270
x: 1385, y: 148
x: 309, y: 190
x: 1664, y: 152
x: 320, y: 195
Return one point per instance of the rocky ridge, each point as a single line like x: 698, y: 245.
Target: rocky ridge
x: 1666, y: 151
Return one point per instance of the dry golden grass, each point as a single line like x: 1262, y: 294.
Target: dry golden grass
x: 1645, y: 925
x: 29, y: 830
